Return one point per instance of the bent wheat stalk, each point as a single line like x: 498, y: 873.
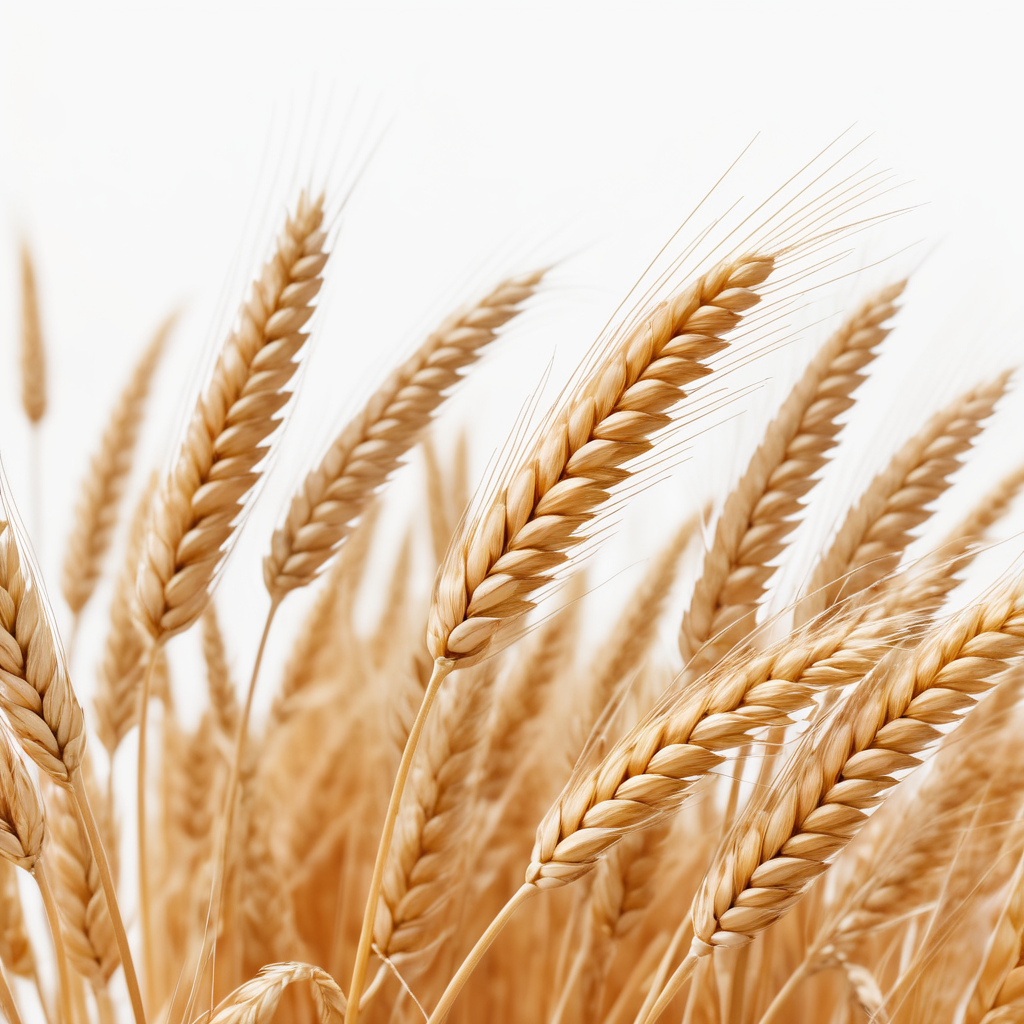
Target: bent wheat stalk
x: 256, y: 1001
x: 514, y: 543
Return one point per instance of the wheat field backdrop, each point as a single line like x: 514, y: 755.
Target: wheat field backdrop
x: 519, y: 546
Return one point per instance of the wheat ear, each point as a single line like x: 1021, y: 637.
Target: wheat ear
x: 337, y: 491
x: 877, y: 530
x: 761, y: 509
x: 508, y: 550
x: 33, y: 351
x: 89, y: 934
x: 196, y: 509
x: 256, y: 1001
x: 419, y: 880
x: 789, y: 837
x: 42, y: 710
x: 103, y: 485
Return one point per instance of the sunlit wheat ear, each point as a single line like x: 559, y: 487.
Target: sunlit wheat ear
x: 101, y: 489
x: 761, y: 510
x: 334, y: 494
x: 512, y: 545
x: 256, y: 1001
x: 33, y: 351
x: 200, y: 503
x: 791, y: 835
x: 877, y: 530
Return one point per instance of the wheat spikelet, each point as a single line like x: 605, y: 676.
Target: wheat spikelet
x: 508, y: 550
x: 256, y: 1001
x: 761, y: 509
x: 15, y: 947
x: 337, y: 491
x: 197, y: 508
x: 33, y: 351
x: 223, y: 698
x: 88, y: 932
x: 656, y: 764
x: 119, y: 677
x: 102, y: 487
x: 789, y: 838
x: 876, y: 531
x: 35, y: 692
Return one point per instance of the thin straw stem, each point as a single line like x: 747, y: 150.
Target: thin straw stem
x: 664, y: 966
x: 99, y: 854
x: 442, y: 668
x: 443, y: 1008
x: 104, y: 1005
x: 679, y: 978
x: 53, y: 919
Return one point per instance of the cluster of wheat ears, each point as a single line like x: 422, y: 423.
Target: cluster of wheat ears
x: 472, y: 810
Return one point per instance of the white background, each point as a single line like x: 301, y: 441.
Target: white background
x: 138, y: 144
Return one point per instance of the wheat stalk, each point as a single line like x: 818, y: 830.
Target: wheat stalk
x: 760, y: 511
x: 33, y: 350
x: 102, y: 487
x: 339, y: 489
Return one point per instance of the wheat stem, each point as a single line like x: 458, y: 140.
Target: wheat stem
x: 104, y: 1006
x: 442, y: 667
x: 680, y: 977
x: 455, y: 986
x: 681, y: 934
x: 107, y: 880
x: 53, y: 918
